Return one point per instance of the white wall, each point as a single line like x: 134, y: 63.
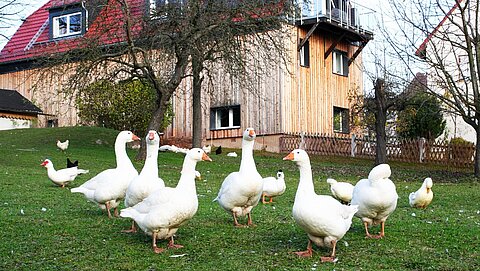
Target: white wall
x: 8, y: 124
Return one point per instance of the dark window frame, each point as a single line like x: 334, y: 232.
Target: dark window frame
x: 344, y: 63
x: 342, y: 125
x: 65, y: 11
x: 234, y: 122
x: 304, y: 54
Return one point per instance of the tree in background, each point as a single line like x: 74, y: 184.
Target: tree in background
x: 10, y: 11
x: 446, y: 35
x: 159, y: 47
x: 124, y: 105
x: 421, y: 117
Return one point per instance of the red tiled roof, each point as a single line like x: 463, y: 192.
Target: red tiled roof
x: 16, y: 48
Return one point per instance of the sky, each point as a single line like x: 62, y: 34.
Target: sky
x: 24, y: 10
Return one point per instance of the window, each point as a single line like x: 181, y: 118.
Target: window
x: 157, y: 5
x: 67, y: 25
x: 67, y: 21
x: 340, y: 63
x: 225, y: 117
x: 340, y: 120
x: 305, y: 54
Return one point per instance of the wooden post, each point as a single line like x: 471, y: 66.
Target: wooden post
x: 421, y: 145
x: 302, y: 141
x: 353, y: 146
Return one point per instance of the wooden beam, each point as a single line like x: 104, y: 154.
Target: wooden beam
x: 309, y: 33
x: 359, y: 50
x: 334, y: 44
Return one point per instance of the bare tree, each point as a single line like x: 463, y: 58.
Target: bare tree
x: 10, y: 12
x: 446, y: 37
x: 173, y: 40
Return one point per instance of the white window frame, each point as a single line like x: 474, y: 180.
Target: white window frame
x: 217, y: 122
x: 340, y: 63
x: 56, y: 25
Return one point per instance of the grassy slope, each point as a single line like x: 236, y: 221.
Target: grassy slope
x: 74, y: 234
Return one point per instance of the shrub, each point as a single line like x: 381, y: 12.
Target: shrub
x: 126, y: 105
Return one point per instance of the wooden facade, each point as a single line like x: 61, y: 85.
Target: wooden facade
x: 283, y: 100
x: 286, y: 100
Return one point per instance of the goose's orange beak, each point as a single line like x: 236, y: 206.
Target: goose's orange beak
x: 251, y: 132
x: 205, y: 157
x: 290, y: 157
x: 134, y: 137
x: 151, y: 135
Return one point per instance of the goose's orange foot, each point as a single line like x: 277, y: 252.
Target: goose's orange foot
x: 304, y: 254
x: 328, y: 259
x: 132, y: 230
x: 174, y: 246
x: 158, y: 250
x: 369, y: 236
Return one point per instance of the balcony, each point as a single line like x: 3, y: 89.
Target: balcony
x: 337, y: 16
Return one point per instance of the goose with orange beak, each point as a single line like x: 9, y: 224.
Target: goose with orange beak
x: 323, y: 218
x: 423, y: 196
x: 108, y: 187
x: 242, y: 190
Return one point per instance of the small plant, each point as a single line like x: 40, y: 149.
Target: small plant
x: 460, y: 141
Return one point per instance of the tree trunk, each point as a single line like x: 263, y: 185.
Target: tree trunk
x: 380, y: 121
x: 477, y: 154
x: 197, y: 104
x: 155, y: 123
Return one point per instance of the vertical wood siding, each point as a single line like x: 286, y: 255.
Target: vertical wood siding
x: 280, y: 102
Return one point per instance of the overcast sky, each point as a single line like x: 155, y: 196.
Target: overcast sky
x: 24, y: 9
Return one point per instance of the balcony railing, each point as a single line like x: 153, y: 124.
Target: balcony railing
x: 344, y: 13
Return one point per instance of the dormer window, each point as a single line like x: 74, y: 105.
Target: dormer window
x: 67, y: 22
x: 67, y: 25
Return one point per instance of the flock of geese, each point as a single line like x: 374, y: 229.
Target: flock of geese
x: 159, y: 210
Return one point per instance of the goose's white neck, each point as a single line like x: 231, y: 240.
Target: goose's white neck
x: 151, y: 164
x: 187, y: 179
x: 123, y: 161
x: 247, y: 164
x: 305, y: 186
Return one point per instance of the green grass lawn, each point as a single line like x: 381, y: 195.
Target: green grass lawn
x: 62, y: 231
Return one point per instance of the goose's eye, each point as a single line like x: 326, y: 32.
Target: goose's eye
x: 198, y: 151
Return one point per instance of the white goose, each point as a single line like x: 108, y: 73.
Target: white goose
x: 165, y: 210
x: 61, y: 177
x: 241, y: 190
x: 108, y: 188
x: 147, y: 181
x: 376, y: 198
x: 273, y: 187
x: 423, y: 196
x: 323, y: 218
x: 341, y: 190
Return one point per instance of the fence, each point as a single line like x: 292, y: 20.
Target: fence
x: 417, y: 150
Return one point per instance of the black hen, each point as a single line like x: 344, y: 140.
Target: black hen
x: 71, y: 164
x: 218, y: 150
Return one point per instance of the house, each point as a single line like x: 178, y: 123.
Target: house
x: 16, y: 111
x: 311, y: 95
x: 444, y: 47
